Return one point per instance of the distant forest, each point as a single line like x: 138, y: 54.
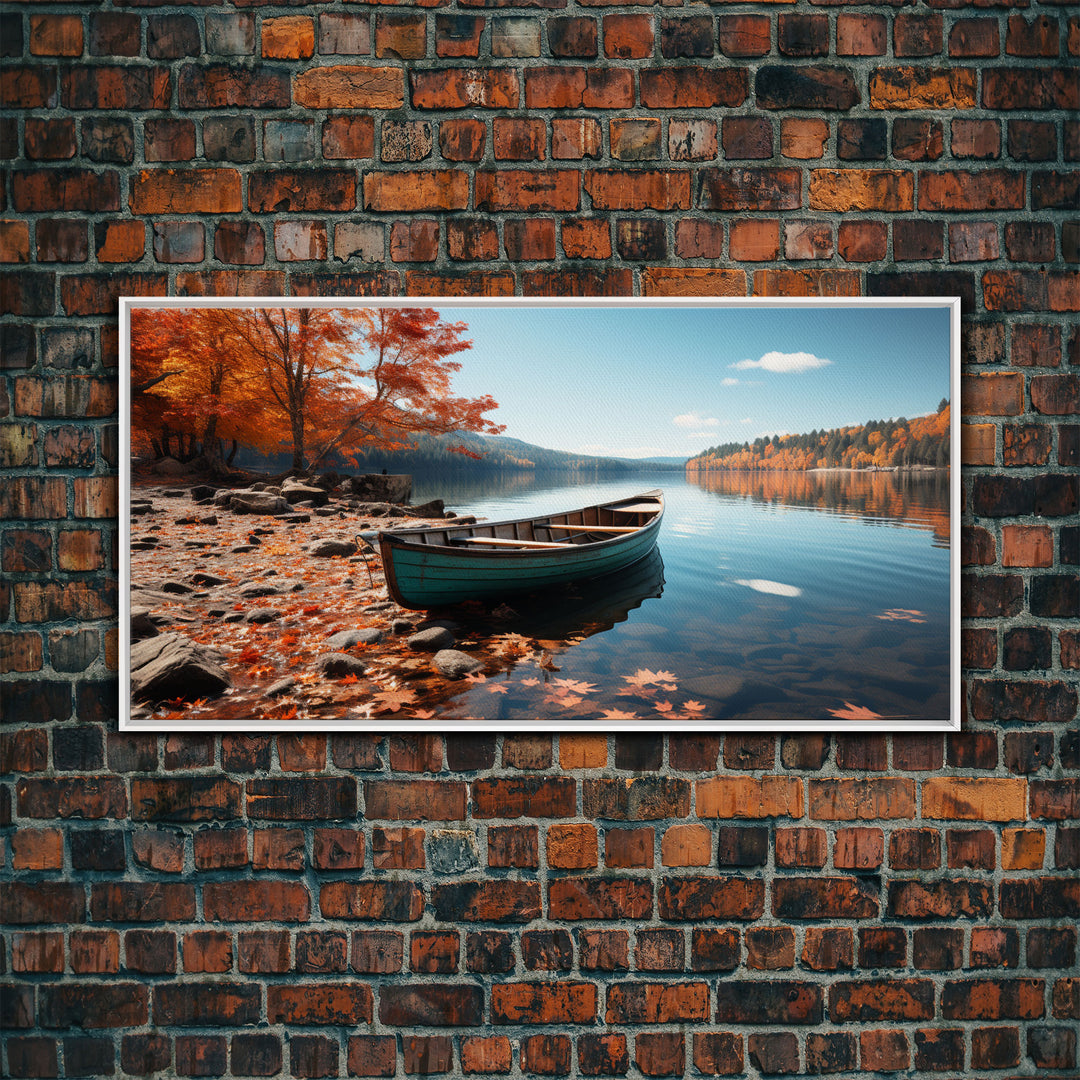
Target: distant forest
x: 881, y: 444
x: 465, y: 452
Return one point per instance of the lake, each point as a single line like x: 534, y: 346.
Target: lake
x: 820, y: 598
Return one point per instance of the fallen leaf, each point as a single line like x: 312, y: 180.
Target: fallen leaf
x: 854, y: 712
x: 618, y: 714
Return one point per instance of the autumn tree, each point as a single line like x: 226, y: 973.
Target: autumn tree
x: 313, y: 381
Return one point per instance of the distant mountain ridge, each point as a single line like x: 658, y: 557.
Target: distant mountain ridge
x: 500, y: 453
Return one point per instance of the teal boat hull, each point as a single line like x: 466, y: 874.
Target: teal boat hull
x: 435, y: 567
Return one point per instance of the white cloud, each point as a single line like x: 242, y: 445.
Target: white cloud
x: 784, y: 363
x: 694, y: 420
x: 729, y: 381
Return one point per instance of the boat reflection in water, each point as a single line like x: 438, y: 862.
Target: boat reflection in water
x: 588, y: 607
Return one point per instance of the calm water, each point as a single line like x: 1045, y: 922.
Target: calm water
x: 779, y: 597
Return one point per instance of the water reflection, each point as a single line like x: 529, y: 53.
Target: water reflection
x: 913, y: 499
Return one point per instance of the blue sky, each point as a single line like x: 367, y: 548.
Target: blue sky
x: 637, y: 381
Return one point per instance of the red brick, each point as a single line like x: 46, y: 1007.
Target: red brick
x: 415, y: 800
x: 861, y: 35
x: 65, y: 189
x: 744, y: 35
x: 693, y: 88
x: 462, y: 140
x: 350, y: 1004
x: 458, y: 35
x: 660, y: 1054
x: 433, y: 1004
x: 256, y: 901
x: 491, y: 1054
x: 529, y: 240
x: 517, y: 139
x: 522, y: 189
x: 718, y: 1053
x: 628, y: 37
x: 587, y: 238
x: 291, y: 37
x: 465, y: 88
x: 696, y: 239
x: 372, y: 1055
x: 543, y: 1003
x: 546, y: 1055
x: 377, y: 952
x: 578, y: 87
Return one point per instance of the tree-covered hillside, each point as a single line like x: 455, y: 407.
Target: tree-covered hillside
x: 900, y: 443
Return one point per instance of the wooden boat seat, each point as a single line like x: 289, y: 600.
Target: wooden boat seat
x: 593, y: 528
x: 507, y: 542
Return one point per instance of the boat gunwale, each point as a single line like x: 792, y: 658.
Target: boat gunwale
x: 401, y: 538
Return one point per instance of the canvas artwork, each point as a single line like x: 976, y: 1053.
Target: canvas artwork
x: 461, y: 514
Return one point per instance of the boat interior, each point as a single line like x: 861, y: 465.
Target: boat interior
x: 590, y: 525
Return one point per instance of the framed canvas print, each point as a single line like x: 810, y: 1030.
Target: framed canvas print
x: 438, y: 514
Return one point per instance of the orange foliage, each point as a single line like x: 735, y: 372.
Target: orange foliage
x: 312, y: 381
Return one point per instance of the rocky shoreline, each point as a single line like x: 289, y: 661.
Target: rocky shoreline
x: 259, y: 603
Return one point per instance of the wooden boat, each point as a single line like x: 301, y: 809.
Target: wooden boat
x: 446, y: 564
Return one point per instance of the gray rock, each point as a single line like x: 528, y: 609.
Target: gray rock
x: 257, y: 502
x: 202, y: 491
x: 451, y: 851
x: 455, y: 664
x: 169, y: 467
x: 282, y: 686
x: 223, y: 497
x: 142, y: 625
x: 324, y: 549
x: 432, y: 639
x: 433, y: 509
x: 293, y: 491
x: 171, y: 666
x: 346, y: 639
x: 202, y: 578
x: 257, y: 589
x: 262, y: 615
x: 376, y: 488
x: 337, y: 664
x: 174, y: 587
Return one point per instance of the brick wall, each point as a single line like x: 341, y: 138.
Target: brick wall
x: 570, y: 905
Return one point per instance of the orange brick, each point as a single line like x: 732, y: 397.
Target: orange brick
x: 14, y: 241
x: 572, y: 847
x: 288, y: 38
x: 692, y: 281
x: 858, y: 849
x: 686, y: 845
x: 1023, y: 849
x: 583, y: 751
x: 803, y: 140
x: 485, y: 1055
x: 56, y: 35
x: 38, y: 849
x: 750, y: 797
x: 992, y: 394
x: 1027, y: 545
x: 346, y: 86
x: 755, y: 240
x: 978, y: 444
x: 862, y: 189
x: 586, y: 238
x: 975, y: 798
